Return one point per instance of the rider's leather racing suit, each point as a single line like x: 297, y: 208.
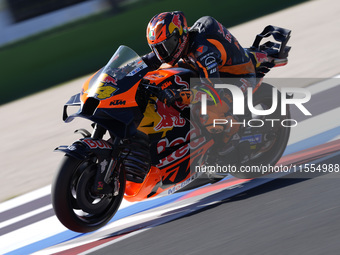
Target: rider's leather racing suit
x: 214, y: 53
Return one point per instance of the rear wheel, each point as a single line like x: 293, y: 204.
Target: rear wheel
x: 274, y: 140
x: 76, y: 206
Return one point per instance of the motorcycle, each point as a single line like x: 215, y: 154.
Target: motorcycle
x: 134, y: 130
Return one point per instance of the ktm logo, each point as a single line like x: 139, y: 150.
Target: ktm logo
x: 166, y: 84
x: 118, y: 102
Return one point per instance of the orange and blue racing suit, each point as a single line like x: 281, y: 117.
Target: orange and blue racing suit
x: 214, y: 52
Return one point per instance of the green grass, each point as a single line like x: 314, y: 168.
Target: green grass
x: 83, y: 47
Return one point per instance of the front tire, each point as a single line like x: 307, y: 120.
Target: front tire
x: 74, y: 204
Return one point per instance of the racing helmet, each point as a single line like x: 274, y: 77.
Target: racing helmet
x: 167, y: 35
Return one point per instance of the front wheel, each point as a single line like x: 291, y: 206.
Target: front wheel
x: 74, y: 203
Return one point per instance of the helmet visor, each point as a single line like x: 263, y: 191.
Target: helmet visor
x: 166, y: 49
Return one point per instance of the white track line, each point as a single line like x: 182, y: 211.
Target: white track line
x: 23, y: 199
x: 25, y: 216
x: 30, y: 234
x: 314, y: 126
x: 324, y: 85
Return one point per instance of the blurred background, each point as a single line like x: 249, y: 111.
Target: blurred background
x: 45, y: 43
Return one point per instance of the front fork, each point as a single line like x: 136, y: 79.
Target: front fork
x: 107, y: 179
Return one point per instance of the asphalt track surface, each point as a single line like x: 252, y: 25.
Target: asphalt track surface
x: 284, y: 216
x: 296, y: 215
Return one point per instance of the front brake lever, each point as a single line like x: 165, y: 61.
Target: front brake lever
x: 154, y: 90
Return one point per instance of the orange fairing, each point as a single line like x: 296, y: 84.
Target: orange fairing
x: 160, y: 75
x: 123, y: 100
x: 140, y: 191
x: 115, y: 85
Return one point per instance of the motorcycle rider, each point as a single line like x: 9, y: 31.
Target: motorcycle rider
x: 213, y: 52
x: 208, y: 48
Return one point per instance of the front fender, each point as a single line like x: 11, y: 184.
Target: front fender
x: 85, y: 147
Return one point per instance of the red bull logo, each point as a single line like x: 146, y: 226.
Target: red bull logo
x: 226, y: 35
x: 176, y: 21
x: 109, y: 79
x: 260, y: 58
x: 169, y: 117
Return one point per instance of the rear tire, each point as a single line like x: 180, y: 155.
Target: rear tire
x: 271, y: 156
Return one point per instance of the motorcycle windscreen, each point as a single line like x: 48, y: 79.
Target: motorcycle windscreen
x: 117, y: 76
